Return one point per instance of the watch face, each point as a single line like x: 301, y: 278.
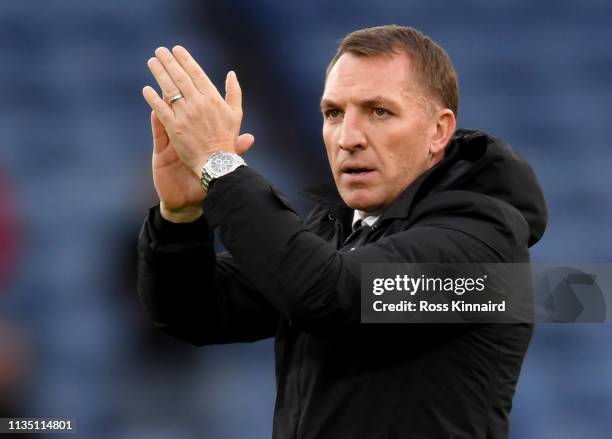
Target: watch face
x: 221, y: 164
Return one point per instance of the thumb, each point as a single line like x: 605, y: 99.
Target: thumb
x: 244, y: 143
x: 160, y: 136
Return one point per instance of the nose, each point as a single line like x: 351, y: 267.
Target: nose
x: 351, y: 133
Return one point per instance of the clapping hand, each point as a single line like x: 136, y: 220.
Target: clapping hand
x: 189, y: 122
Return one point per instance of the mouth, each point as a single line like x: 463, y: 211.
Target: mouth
x: 356, y: 173
x: 355, y: 169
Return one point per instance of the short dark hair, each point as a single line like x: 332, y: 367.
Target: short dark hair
x: 431, y: 64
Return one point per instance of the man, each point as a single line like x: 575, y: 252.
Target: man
x: 426, y: 192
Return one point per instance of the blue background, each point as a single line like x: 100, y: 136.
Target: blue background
x: 75, y: 151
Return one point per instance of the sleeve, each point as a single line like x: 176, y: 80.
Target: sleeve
x: 192, y: 293
x: 303, y: 276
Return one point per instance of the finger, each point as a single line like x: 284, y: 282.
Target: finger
x: 193, y: 69
x: 233, y: 93
x: 168, y: 87
x: 178, y: 75
x: 160, y: 136
x: 157, y: 104
x: 244, y: 143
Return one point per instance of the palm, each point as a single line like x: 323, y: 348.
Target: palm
x: 176, y: 185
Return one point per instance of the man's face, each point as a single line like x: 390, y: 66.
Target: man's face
x: 377, y: 129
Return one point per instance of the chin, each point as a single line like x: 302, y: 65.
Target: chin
x: 356, y: 199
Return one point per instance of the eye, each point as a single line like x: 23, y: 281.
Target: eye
x: 380, y: 112
x: 332, y: 113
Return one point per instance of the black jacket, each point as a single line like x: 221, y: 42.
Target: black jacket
x: 298, y: 282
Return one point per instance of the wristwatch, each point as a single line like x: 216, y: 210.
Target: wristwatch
x: 219, y: 163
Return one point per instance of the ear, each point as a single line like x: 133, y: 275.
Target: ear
x: 445, y: 125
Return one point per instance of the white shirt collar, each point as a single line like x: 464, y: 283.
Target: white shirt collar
x: 369, y: 220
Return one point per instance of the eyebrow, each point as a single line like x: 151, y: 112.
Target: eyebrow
x: 377, y: 101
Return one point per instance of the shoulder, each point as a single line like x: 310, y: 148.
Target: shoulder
x: 482, y: 218
x: 459, y: 226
